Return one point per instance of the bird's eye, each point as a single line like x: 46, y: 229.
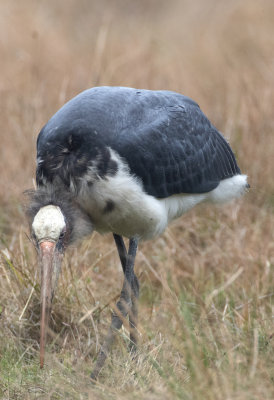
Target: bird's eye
x: 62, y: 234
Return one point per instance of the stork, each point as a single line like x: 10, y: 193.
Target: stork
x: 125, y: 161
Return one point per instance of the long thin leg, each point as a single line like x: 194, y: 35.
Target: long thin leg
x: 123, y: 306
x: 133, y: 313
x: 122, y: 251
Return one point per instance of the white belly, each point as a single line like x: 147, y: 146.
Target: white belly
x: 118, y: 204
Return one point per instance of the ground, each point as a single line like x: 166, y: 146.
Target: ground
x: 207, y: 286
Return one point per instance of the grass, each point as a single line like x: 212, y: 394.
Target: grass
x: 207, y: 286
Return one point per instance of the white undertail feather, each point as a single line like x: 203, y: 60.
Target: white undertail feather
x: 229, y: 189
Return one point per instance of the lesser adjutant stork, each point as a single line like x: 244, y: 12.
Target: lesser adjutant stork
x: 126, y: 161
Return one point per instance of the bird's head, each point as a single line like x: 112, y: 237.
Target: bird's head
x: 49, y: 231
x: 54, y: 225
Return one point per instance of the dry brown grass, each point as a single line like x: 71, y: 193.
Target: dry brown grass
x: 207, y: 287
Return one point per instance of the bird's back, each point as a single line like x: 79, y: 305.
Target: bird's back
x: 164, y: 137
x: 135, y: 159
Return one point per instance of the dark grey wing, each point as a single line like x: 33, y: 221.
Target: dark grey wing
x: 163, y: 136
x: 180, y: 152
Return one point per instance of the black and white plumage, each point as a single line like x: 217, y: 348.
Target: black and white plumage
x: 126, y: 161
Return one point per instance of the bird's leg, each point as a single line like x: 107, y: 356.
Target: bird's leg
x: 123, y: 306
x: 122, y: 251
x: 133, y: 312
x: 133, y: 315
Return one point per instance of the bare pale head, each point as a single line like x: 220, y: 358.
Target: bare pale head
x: 48, y: 223
x: 49, y: 230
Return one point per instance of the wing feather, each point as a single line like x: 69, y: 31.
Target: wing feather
x: 164, y: 137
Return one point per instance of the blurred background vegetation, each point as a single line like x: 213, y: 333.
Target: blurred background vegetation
x: 206, y: 313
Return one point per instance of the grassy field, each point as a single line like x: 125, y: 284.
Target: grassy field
x: 207, y: 285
